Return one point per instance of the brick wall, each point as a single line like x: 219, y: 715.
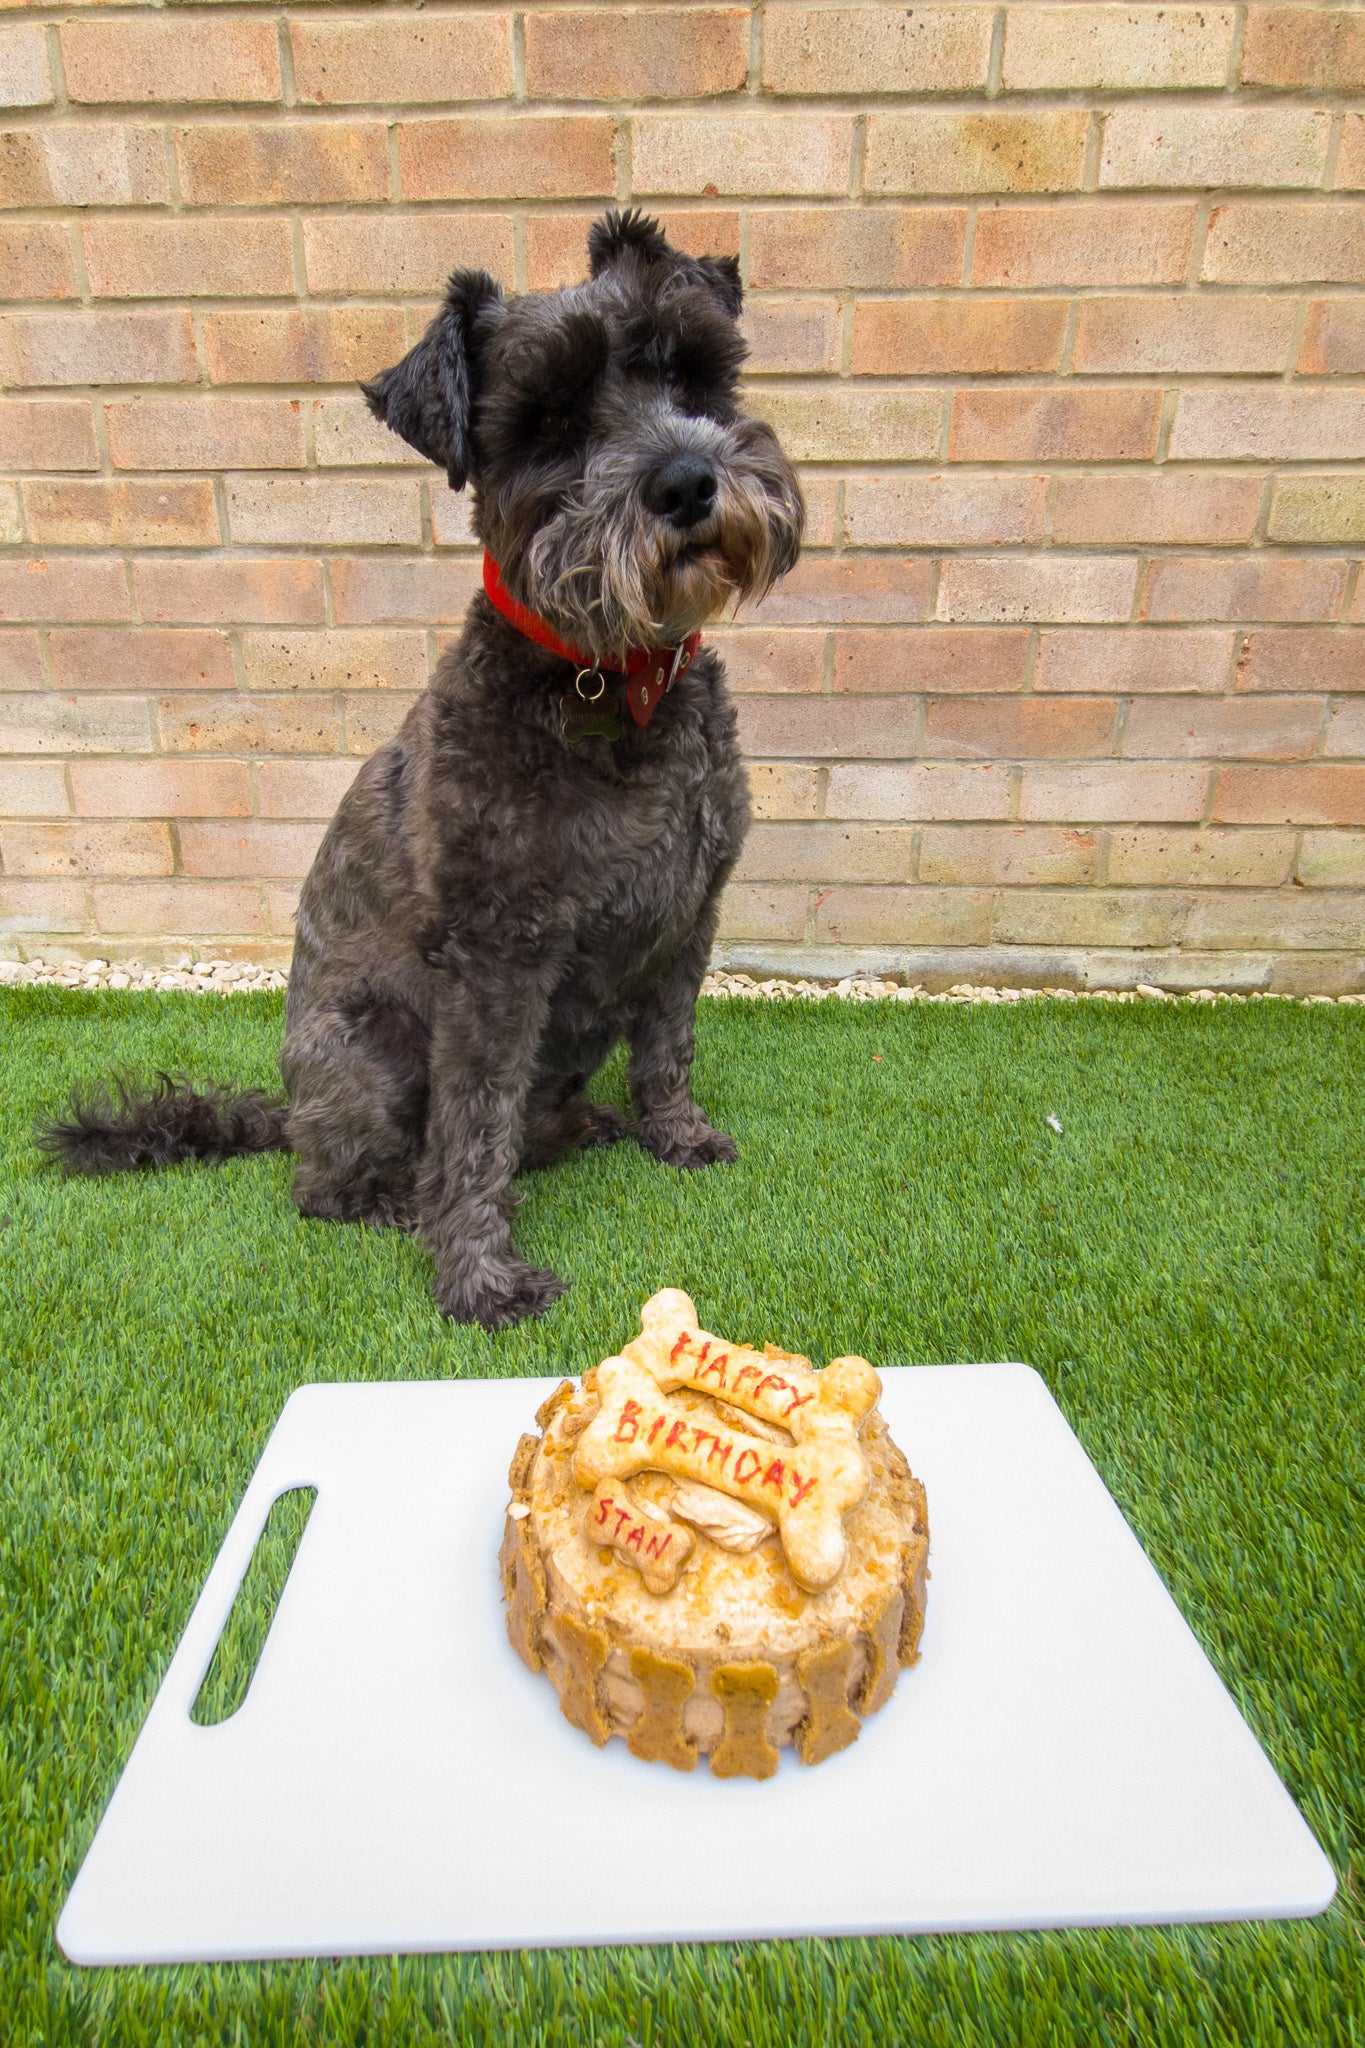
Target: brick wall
x: 1060, y: 308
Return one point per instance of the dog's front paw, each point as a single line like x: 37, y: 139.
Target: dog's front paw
x: 688, y: 1144
x: 500, y: 1296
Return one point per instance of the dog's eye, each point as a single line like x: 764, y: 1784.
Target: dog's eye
x: 558, y: 425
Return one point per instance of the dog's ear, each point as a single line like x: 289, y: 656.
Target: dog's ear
x: 721, y: 275
x: 428, y: 398
x: 620, y: 234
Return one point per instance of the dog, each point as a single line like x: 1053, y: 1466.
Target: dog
x: 531, y: 869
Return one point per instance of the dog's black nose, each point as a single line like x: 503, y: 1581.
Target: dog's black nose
x: 683, y: 491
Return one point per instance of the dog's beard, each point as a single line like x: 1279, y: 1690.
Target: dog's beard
x: 609, y: 575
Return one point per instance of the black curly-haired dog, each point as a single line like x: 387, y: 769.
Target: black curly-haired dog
x: 530, y: 870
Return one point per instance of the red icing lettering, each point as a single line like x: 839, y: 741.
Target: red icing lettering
x: 676, y: 1434
x: 800, y: 1487
x: 704, y: 1349
x: 775, y: 1475
x: 628, y: 1428
x: 700, y: 1437
x: 657, y: 1545
x: 740, y: 1476
x: 797, y: 1401
x: 681, y: 1345
x: 622, y: 1515
x: 636, y: 1536
x: 721, y: 1448
x: 747, y: 1372
x: 655, y: 1427
x: 602, y: 1507
x: 774, y: 1380
x: 714, y: 1369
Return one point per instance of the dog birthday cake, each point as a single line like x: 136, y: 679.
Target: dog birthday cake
x: 714, y: 1551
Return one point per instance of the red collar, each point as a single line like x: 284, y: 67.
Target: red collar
x: 651, y: 671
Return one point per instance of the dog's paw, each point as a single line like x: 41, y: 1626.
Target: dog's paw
x: 500, y: 1298
x: 605, y: 1125
x: 688, y: 1145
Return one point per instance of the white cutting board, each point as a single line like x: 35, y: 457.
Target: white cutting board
x: 1064, y: 1754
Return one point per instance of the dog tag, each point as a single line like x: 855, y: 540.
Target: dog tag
x: 600, y: 720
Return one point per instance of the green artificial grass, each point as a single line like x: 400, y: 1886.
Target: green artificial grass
x: 1185, y: 1263
x: 227, y: 1681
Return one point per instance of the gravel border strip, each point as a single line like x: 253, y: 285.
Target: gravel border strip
x: 194, y: 974
x: 868, y: 988
x: 211, y: 977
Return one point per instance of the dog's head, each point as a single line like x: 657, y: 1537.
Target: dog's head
x: 617, y: 484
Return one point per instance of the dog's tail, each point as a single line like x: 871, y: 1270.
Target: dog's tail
x: 122, y: 1123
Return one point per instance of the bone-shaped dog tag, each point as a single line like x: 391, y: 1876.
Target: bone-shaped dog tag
x: 600, y: 720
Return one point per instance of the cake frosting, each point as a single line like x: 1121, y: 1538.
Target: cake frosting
x: 713, y: 1551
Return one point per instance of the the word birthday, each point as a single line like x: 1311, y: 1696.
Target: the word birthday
x: 668, y: 1431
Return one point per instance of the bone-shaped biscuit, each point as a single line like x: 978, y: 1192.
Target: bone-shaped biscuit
x: 656, y: 1545
x: 780, y: 1386
x: 805, y: 1490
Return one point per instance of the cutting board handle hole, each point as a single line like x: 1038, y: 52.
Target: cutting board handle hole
x: 238, y: 1649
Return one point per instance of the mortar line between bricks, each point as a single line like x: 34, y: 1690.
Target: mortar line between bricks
x: 467, y: 556
x: 1318, y: 750
x: 995, y: 60
x: 1094, y: 150
x: 519, y: 92
x: 289, y: 97
x: 219, y: 485
x: 46, y: 663
x: 1199, y: 242
x: 1229, y: 469
x: 1141, y: 589
x: 1066, y: 362
x: 857, y: 157
x: 1233, y: 81
x: 933, y: 591
x: 1110, y: 198
x: 733, y: 105
x: 1297, y: 334
x: 1210, y: 290
x: 60, y: 105
x: 804, y: 382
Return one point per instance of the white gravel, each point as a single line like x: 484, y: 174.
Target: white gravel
x: 195, y: 974
x: 206, y: 976
x: 861, y: 988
